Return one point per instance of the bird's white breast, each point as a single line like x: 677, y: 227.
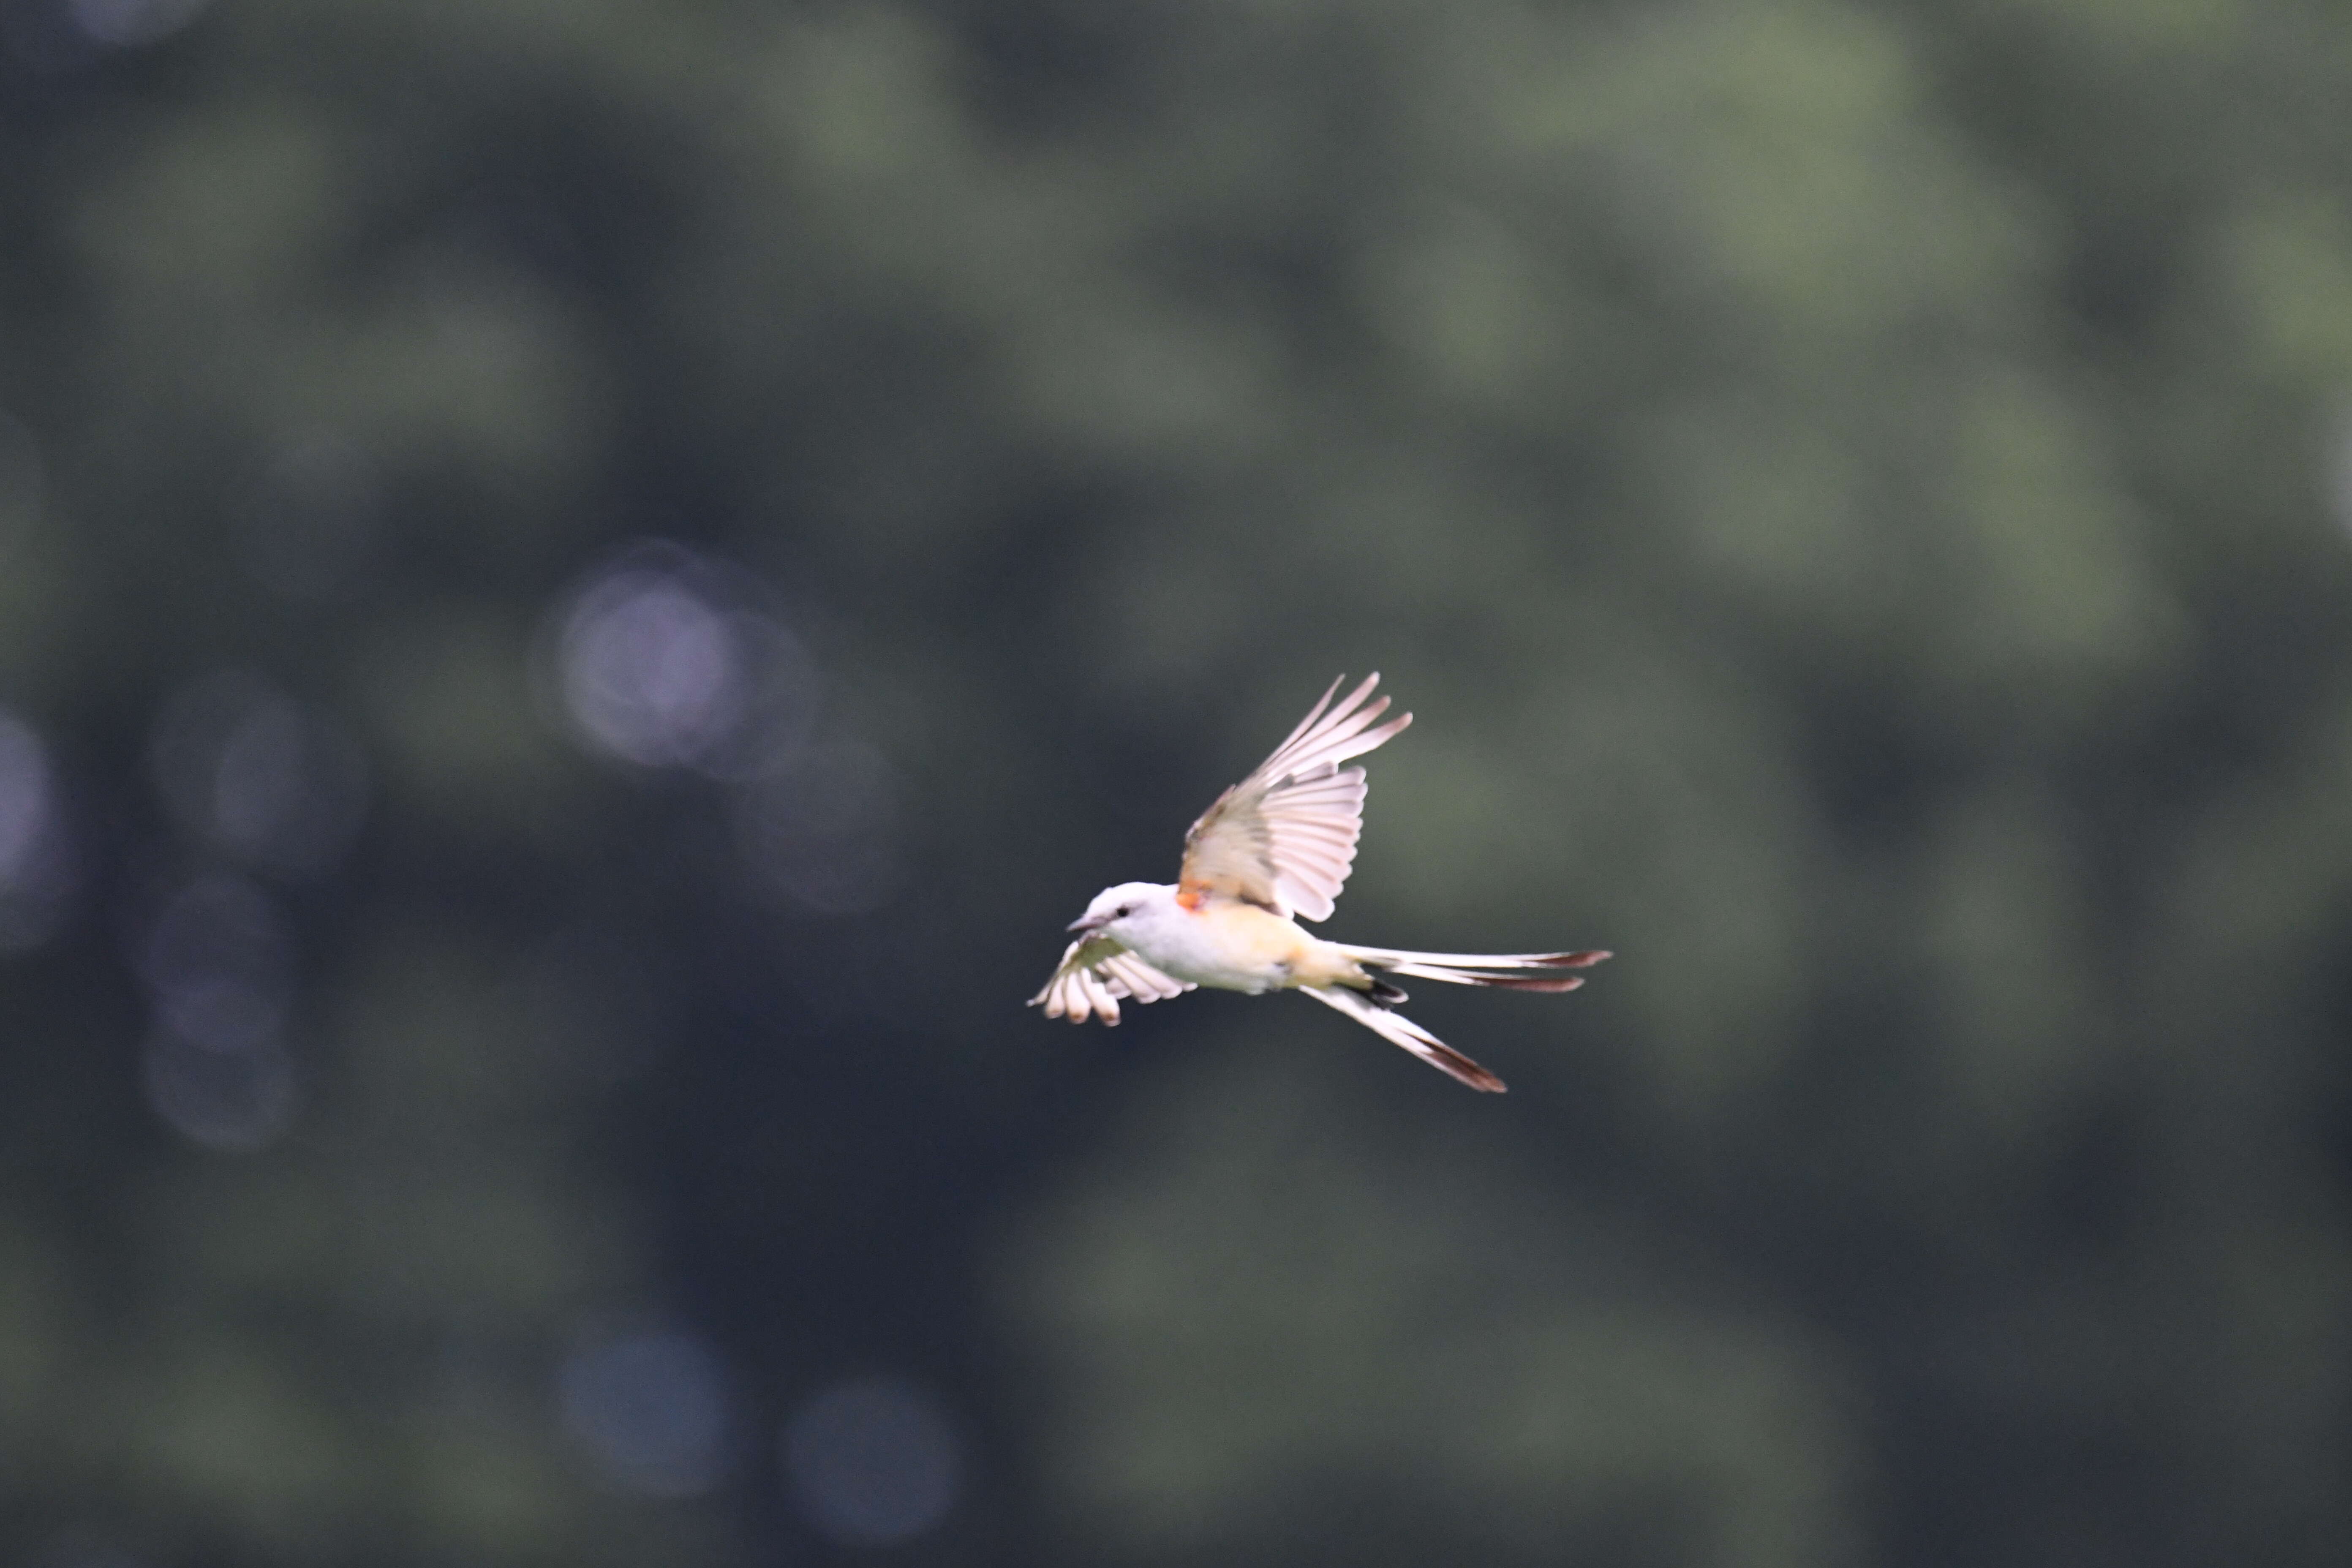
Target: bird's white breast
x: 1226, y: 946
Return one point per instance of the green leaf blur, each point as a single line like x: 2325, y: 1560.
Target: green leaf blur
x: 1859, y: 496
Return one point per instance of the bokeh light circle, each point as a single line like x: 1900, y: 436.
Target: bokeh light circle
x: 131, y: 24
x: 25, y: 796
x: 669, y: 660
x: 218, y: 964
x: 249, y: 770
x: 873, y: 1462
x: 34, y: 865
x: 653, y: 1408
x: 232, y: 1102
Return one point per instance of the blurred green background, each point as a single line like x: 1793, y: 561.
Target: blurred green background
x: 584, y: 588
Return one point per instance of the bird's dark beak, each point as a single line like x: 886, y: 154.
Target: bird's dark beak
x: 1089, y: 922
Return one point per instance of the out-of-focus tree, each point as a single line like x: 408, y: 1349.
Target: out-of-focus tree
x: 582, y: 589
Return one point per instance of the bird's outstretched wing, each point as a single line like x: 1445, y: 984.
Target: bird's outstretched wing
x: 1285, y: 837
x: 1095, y: 971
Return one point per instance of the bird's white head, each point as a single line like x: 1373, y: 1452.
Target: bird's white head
x: 1116, y: 911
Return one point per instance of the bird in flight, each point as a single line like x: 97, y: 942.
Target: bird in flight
x: 1272, y: 850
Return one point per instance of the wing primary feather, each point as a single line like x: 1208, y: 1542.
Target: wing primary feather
x: 1094, y: 972
x: 1316, y: 713
x: 1284, y: 837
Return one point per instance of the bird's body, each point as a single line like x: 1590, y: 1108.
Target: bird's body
x: 1278, y: 843
x: 1227, y: 944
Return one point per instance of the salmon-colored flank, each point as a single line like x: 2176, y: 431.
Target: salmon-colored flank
x: 1190, y: 895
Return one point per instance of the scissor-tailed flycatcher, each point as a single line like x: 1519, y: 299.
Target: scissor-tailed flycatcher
x: 1278, y: 845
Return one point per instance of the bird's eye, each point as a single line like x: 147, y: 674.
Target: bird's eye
x: 1124, y: 911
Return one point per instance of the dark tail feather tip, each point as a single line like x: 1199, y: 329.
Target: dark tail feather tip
x: 1463, y: 1071
x: 1459, y: 1067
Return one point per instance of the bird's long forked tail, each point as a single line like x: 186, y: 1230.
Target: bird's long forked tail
x: 1510, y: 972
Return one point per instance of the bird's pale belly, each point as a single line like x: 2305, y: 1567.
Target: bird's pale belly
x: 1239, y: 947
